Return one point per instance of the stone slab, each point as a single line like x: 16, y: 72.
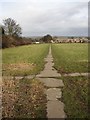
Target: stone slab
x: 55, y: 109
x: 49, y: 73
x: 19, y: 77
x: 30, y: 77
x: 53, y: 94
x: 85, y: 74
x: 77, y: 74
x: 72, y: 74
x: 48, y: 66
x: 48, y: 59
x: 52, y: 82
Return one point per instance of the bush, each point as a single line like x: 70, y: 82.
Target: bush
x: 9, y: 41
x: 6, y: 41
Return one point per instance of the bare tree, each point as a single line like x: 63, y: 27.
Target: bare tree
x: 11, y: 27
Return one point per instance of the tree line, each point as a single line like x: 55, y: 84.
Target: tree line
x: 11, y: 34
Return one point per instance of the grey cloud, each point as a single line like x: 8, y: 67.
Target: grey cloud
x: 56, y: 18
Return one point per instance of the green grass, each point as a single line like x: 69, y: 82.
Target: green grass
x: 70, y: 58
x: 24, y: 60
x: 75, y: 97
x: 23, y: 99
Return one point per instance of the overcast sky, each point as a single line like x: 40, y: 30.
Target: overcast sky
x: 41, y: 17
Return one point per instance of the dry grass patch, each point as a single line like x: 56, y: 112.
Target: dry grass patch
x: 21, y: 66
x: 17, y: 68
x: 23, y: 99
x: 9, y: 97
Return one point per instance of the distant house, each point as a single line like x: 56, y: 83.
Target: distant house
x: 52, y: 41
x: 37, y: 42
x: 70, y: 40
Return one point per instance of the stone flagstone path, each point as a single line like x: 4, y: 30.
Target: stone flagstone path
x: 53, y: 86
x: 55, y: 108
x: 49, y: 71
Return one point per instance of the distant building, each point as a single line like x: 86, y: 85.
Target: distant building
x: 70, y: 39
x: 52, y: 41
x: 37, y: 42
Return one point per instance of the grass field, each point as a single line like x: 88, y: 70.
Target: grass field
x: 29, y: 94
x: 23, y: 99
x: 70, y: 58
x: 24, y: 60
x: 75, y: 97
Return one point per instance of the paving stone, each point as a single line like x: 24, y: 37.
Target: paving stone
x: 53, y: 94
x: 85, y: 74
x: 19, y: 77
x: 52, y: 82
x: 49, y: 73
x: 48, y: 59
x: 72, y: 74
x: 48, y: 66
x: 30, y: 77
x: 55, y: 109
x: 77, y: 74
